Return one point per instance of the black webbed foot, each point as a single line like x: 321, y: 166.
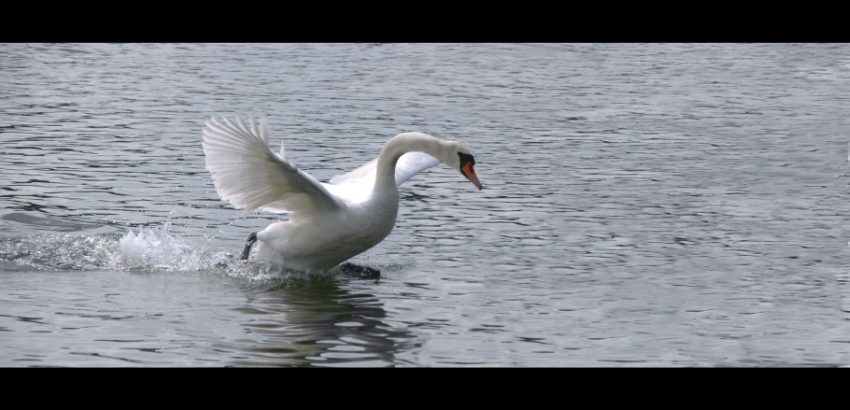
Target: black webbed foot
x: 251, y: 239
x: 352, y: 269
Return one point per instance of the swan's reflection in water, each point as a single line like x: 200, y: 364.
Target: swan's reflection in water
x: 314, y: 321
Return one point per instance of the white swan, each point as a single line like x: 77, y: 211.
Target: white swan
x: 329, y: 222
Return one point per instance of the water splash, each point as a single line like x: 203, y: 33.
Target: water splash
x: 143, y: 249
x: 157, y: 248
x: 148, y: 249
x: 160, y: 249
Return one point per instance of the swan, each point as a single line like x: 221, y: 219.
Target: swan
x: 331, y: 222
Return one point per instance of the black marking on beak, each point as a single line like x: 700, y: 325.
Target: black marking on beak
x: 466, y: 168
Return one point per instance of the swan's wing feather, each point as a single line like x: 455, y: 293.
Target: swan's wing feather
x: 364, y: 172
x: 408, y: 165
x: 411, y: 164
x: 249, y: 175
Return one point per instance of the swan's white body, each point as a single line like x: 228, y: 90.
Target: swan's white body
x: 329, y: 222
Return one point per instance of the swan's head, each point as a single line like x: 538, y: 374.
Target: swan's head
x: 459, y: 158
x: 452, y: 153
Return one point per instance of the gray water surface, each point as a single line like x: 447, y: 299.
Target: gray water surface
x: 643, y: 205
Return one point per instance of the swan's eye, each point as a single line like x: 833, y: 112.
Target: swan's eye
x: 465, y: 158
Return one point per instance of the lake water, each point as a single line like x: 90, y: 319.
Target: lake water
x: 670, y: 205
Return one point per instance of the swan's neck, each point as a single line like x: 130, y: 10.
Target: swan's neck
x: 398, y: 146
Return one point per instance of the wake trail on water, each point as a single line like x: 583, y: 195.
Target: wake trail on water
x: 142, y: 249
x: 69, y: 244
x: 138, y: 250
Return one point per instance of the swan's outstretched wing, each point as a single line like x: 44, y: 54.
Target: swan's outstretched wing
x: 411, y: 164
x: 408, y: 165
x: 357, y: 185
x: 250, y: 176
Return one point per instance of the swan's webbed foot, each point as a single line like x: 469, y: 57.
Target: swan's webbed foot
x: 352, y: 269
x: 251, y: 239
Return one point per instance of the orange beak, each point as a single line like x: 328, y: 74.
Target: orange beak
x: 469, y: 173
